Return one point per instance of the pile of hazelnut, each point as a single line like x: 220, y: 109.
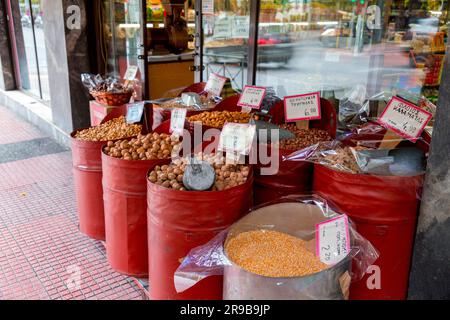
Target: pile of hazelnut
x: 227, y: 175
x: 114, y: 129
x: 144, y: 147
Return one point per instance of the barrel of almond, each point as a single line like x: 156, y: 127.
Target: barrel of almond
x: 178, y: 221
x: 385, y: 210
x: 286, y: 226
x: 291, y: 177
x: 87, y: 173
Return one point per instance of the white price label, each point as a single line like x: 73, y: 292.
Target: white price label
x: 131, y: 73
x: 215, y: 84
x: 404, y: 118
x: 237, y: 138
x: 241, y: 27
x: 207, y: 6
x: 222, y: 28
x: 302, y: 107
x: 333, y: 240
x: 252, y: 97
x: 135, y: 112
x: 177, y: 120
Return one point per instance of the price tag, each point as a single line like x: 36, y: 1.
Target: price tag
x: 252, y: 97
x: 177, y: 119
x: 302, y: 107
x: 215, y: 84
x: 241, y: 27
x: 131, y: 73
x: 237, y: 138
x: 333, y: 240
x: 135, y: 112
x: 207, y: 7
x: 222, y: 28
x: 404, y: 118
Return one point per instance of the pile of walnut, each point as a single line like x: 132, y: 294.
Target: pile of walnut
x: 227, y: 175
x: 303, y: 137
x: 114, y: 129
x: 144, y: 147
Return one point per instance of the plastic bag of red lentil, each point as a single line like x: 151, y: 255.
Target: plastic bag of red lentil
x: 298, y: 247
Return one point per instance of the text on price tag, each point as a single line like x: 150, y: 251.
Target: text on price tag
x: 135, y: 112
x: 177, y: 119
x: 131, y: 73
x: 252, y: 97
x: 333, y: 240
x: 302, y: 107
x: 404, y: 118
x: 215, y: 84
x: 237, y: 138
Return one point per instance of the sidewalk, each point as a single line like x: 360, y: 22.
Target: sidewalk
x: 42, y: 253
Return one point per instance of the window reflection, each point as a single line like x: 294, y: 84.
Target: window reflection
x: 332, y: 46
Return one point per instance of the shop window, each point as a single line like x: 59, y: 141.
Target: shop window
x: 225, y: 33
x: 29, y: 39
x: 333, y: 46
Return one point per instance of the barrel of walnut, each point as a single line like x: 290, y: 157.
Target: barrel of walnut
x: 179, y: 221
x: 292, y: 177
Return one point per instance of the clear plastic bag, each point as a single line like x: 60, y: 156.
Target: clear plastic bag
x: 99, y: 83
x: 297, y: 216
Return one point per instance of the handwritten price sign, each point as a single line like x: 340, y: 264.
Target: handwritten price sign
x: 333, y: 240
x: 135, y: 112
x: 302, y: 107
x: 252, y: 97
x: 177, y: 119
x: 215, y: 84
x: 404, y: 118
x: 237, y: 138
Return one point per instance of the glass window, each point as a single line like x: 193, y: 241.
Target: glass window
x: 332, y: 46
x: 225, y: 33
x: 33, y: 66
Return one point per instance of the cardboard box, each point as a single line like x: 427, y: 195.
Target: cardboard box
x: 98, y: 112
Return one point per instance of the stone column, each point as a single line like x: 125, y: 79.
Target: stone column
x: 430, y: 275
x: 67, y: 57
x: 7, y: 81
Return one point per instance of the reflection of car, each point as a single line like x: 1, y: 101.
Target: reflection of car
x: 274, y: 47
x: 427, y: 25
x: 338, y: 35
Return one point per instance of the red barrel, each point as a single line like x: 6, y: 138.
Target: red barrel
x: 385, y: 210
x: 125, y: 200
x: 87, y: 173
x: 293, y: 177
x: 179, y: 221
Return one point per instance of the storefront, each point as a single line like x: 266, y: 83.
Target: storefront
x: 352, y: 90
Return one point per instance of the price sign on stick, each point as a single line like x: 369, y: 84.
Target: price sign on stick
x: 404, y: 119
x: 177, y: 119
x: 237, y: 138
x: 215, y: 84
x: 135, y: 112
x: 302, y: 107
x: 131, y: 73
x: 252, y: 97
x: 333, y: 240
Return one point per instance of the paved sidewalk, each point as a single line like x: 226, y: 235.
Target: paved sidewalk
x: 42, y: 253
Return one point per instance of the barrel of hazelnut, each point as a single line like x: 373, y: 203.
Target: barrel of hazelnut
x: 144, y: 147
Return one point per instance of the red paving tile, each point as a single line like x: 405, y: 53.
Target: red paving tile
x: 15, y: 129
x: 42, y: 253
